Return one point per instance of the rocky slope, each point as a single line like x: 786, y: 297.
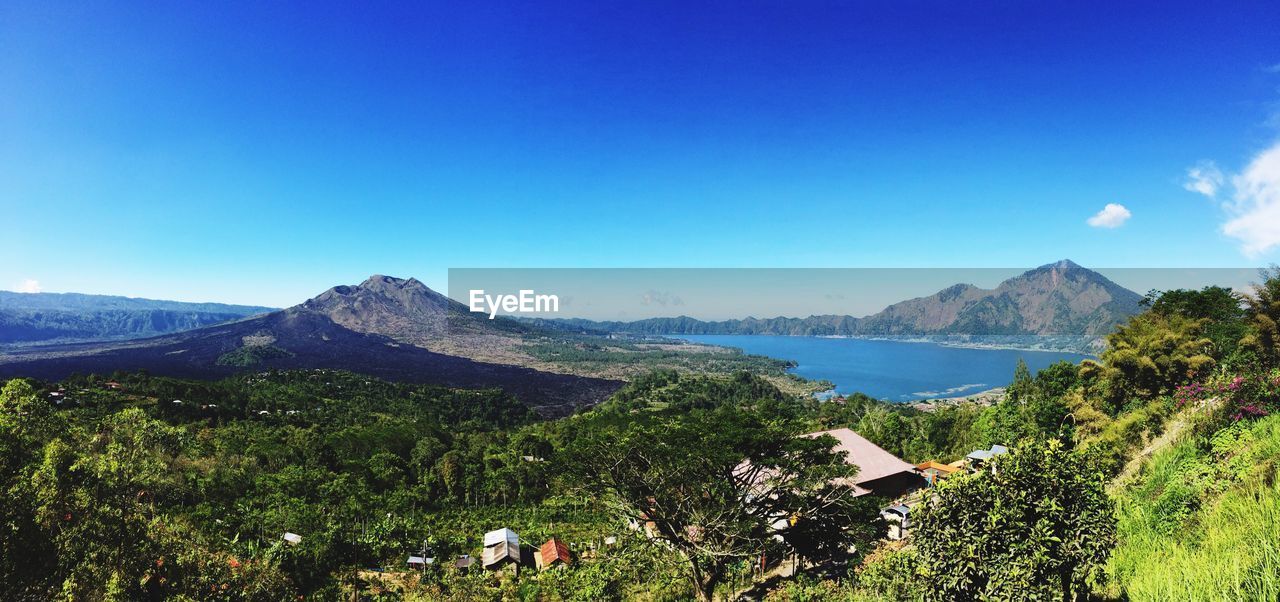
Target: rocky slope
x: 384, y: 327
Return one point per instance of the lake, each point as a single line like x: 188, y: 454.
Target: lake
x: 892, y: 370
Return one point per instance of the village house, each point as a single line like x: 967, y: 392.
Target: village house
x: 976, y: 459
x: 933, y: 471
x: 879, y: 472
x: 553, y: 553
x: 501, y: 551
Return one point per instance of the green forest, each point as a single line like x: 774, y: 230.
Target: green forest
x: 1146, y: 474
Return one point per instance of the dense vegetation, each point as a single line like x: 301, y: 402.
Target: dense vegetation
x: 143, y: 487
x: 1204, y: 522
x: 1176, y: 417
x: 1147, y: 474
x: 633, y: 358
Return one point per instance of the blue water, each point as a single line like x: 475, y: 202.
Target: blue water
x: 892, y: 370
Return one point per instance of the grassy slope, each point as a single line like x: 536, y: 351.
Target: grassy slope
x: 1202, y: 520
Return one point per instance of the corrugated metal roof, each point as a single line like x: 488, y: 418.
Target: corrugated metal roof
x: 554, y: 550
x: 499, y: 552
x: 872, y: 461
x: 938, y: 466
x: 501, y: 535
x: 987, y: 454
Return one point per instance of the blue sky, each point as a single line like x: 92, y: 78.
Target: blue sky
x: 260, y: 153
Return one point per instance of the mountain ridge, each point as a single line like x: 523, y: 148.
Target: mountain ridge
x: 42, y: 318
x: 402, y: 330
x: 1060, y: 298
x: 344, y: 327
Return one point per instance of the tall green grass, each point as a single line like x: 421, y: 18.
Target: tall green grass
x: 1204, y: 521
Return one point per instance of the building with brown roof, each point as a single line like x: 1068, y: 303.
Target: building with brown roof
x: 879, y: 472
x: 553, y: 552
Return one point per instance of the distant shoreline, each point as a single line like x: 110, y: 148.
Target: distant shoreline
x: 973, y: 392
x: 1084, y: 346
x: 987, y: 397
x: 1006, y: 346
x: 928, y: 404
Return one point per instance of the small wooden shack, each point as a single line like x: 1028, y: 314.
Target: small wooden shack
x: 501, y: 551
x: 553, y: 553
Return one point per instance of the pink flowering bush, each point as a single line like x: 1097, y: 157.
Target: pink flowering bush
x: 1242, y: 396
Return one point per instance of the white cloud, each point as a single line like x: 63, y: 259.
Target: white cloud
x: 1113, y: 215
x: 1253, y: 213
x: 1205, y: 178
x: 29, y: 286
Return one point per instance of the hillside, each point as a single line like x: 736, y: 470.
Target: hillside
x: 37, y: 318
x: 343, y: 328
x: 364, y: 470
x: 1201, y: 520
x: 1058, y: 299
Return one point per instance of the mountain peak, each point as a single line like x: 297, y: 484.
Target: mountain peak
x: 385, y: 305
x: 1062, y: 266
x: 381, y: 282
x: 1056, y: 298
x: 386, y: 292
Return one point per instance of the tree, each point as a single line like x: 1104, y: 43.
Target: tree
x: 1148, y: 357
x: 385, y: 471
x: 1263, y: 337
x: 25, y: 551
x: 98, y: 499
x: 1057, y: 379
x: 810, y: 536
x: 714, y: 483
x: 1038, y: 525
x: 451, y: 472
x: 1221, y: 309
x: 22, y: 412
x: 1023, y: 384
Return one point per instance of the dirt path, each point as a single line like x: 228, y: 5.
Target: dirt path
x: 1174, y: 430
